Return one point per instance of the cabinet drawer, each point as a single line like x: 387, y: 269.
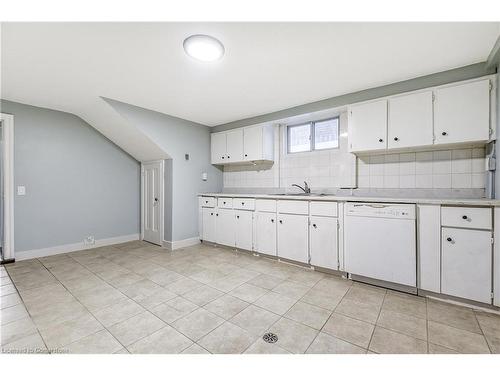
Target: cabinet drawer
x: 293, y: 207
x: 244, y: 204
x: 265, y: 205
x: 207, y: 202
x: 225, y: 202
x: 466, y: 217
x: 324, y: 209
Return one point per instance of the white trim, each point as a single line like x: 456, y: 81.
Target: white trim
x: 8, y: 188
x: 174, y: 245
x: 162, y: 199
x: 37, y: 253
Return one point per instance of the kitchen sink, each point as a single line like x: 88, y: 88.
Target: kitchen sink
x: 303, y: 194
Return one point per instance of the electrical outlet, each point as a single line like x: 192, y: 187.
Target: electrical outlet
x: 89, y: 240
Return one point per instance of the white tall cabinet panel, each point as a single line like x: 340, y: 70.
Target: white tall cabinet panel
x: 234, y: 146
x: 253, y: 143
x: 324, y: 242
x: 218, y: 148
x: 244, y: 229
x: 368, y: 126
x: 225, y: 227
x: 429, y: 247
x: 410, y: 120
x: 462, y: 113
x: 208, y: 224
x: 293, y: 237
x: 466, y: 264
x: 266, y: 233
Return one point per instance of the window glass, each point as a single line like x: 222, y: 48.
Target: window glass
x: 299, y: 138
x: 326, y: 134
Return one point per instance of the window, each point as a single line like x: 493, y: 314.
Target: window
x: 317, y: 135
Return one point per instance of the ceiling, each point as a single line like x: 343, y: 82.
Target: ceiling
x: 267, y: 66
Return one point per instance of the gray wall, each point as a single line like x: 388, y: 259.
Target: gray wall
x: 78, y: 183
x: 178, y: 137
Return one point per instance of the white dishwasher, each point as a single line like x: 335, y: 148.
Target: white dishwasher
x: 380, y: 242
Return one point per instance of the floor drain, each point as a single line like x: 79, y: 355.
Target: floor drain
x: 270, y: 337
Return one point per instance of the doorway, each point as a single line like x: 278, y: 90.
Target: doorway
x: 152, y: 194
x: 6, y: 188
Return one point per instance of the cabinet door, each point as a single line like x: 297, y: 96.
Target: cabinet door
x: 266, y: 233
x: 324, y: 242
x: 367, y: 126
x: 293, y: 237
x: 218, y: 145
x: 208, y: 224
x: 244, y: 229
x: 225, y: 227
x: 410, y: 120
x: 252, y: 143
x: 462, y: 113
x: 235, y: 146
x: 466, y: 264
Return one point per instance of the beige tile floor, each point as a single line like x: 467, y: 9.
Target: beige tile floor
x: 139, y: 298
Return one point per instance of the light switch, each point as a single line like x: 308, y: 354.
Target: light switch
x: 21, y: 190
x: 204, y: 176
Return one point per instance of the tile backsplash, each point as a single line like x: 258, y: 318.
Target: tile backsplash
x: 444, y: 169
x: 463, y: 168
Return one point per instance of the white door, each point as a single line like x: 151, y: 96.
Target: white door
x: 208, y: 224
x: 252, y: 143
x: 368, y: 126
x: 324, y: 242
x: 293, y: 237
x: 462, y: 113
x: 218, y: 144
x: 235, y: 146
x: 410, y: 120
x: 152, y: 203
x: 244, y: 229
x: 266, y: 233
x: 225, y: 227
x: 466, y: 264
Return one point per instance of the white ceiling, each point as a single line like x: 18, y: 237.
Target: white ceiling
x: 267, y: 66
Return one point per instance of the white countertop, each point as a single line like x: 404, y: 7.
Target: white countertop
x: 349, y: 198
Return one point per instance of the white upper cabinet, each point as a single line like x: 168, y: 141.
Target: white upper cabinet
x: 462, y: 113
x: 410, y: 120
x: 368, y: 126
x: 245, y: 145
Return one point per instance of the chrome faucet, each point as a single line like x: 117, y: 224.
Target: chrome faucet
x: 306, y: 189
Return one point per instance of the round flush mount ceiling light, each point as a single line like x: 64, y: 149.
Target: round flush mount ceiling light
x: 203, y: 47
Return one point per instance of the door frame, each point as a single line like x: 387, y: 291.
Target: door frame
x: 162, y: 196
x: 8, y: 185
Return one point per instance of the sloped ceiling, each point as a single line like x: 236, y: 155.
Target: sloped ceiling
x: 267, y: 66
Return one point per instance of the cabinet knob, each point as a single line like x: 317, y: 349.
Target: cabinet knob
x: 380, y: 140
x: 314, y: 225
x: 449, y: 239
x: 206, y: 201
x: 396, y: 139
x: 272, y: 220
x: 228, y: 156
x: 444, y: 133
x: 281, y: 221
x: 216, y: 214
x: 465, y: 217
x: 237, y: 216
x: 246, y: 155
x: 242, y: 203
x: 211, y: 214
x: 223, y: 157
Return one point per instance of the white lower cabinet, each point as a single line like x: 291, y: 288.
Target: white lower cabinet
x: 466, y: 263
x: 293, y: 237
x: 244, y: 229
x: 225, y: 227
x: 324, y: 242
x: 208, y: 224
x: 265, y: 233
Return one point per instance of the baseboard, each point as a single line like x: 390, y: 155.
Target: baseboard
x: 37, y: 253
x: 174, y: 245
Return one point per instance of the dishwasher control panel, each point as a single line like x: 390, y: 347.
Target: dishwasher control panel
x: 383, y: 210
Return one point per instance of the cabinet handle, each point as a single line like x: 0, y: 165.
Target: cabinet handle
x: 206, y: 201
x: 314, y: 225
x: 228, y: 156
x: 223, y: 157
x: 281, y: 221
x: 237, y: 216
x: 216, y: 214
x: 465, y: 217
x: 246, y: 155
x: 444, y: 133
x: 380, y: 140
x: 211, y: 214
x: 396, y: 139
x: 449, y: 239
x: 242, y: 203
x: 272, y: 220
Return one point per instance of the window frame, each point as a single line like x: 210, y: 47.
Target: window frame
x: 312, y: 140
